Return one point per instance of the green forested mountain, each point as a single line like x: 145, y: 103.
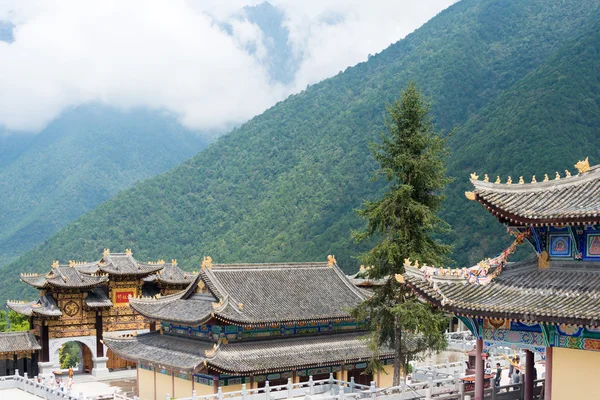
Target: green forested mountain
x: 519, y: 80
x: 81, y: 159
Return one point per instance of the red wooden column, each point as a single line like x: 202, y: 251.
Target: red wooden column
x: 479, y: 369
x: 548, y: 383
x: 529, y: 361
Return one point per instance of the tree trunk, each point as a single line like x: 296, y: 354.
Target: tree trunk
x: 397, y: 354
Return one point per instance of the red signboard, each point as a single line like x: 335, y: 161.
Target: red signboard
x: 123, y: 296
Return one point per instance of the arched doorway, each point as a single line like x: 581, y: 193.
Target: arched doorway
x: 75, y: 354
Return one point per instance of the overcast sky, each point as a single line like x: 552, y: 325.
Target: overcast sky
x: 175, y: 55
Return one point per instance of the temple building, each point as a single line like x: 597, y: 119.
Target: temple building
x: 246, y: 324
x: 80, y: 301
x: 549, y: 304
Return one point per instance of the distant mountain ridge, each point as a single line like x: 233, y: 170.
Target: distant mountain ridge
x: 519, y: 79
x: 81, y: 159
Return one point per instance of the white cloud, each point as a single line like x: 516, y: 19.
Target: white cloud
x: 172, y: 55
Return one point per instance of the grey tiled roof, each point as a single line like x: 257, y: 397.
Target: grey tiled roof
x: 262, y: 293
x: 45, y: 306
x: 125, y: 264
x: 64, y: 276
x: 11, y: 342
x: 568, y: 200
x: 161, y: 350
x: 193, y: 310
x: 244, y: 357
x: 97, y: 299
x: 171, y: 275
x: 293, y: 353
x: 567, y: 292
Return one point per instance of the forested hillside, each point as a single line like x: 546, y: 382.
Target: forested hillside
x: 80, y: 160
x: 519, y: 80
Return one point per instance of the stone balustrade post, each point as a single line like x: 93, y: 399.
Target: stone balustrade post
x: 341, y: 394
x: 373, y: 390
x: 195, y: 397
x: 289, y: 388
x: 168, y: 397
x: 267, y: 390
x: 220, y: 393
x: 244, y: 393
x: 351, y: 384
x: 311, y: 385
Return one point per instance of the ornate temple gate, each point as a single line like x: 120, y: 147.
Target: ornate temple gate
x: 82, y: 301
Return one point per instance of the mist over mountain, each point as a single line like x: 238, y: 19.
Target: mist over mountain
x: 519, y: 81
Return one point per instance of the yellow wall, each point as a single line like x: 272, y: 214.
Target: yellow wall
x: 203, y: 390
x: 574, y: 373
x: 233, y: 388
x: 164, y: 385
x: 385, y: 380
x: 146, y: 384
x: 183, y: 388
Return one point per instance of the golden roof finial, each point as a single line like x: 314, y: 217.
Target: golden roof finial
x: 498, y: 181
x: 399, y: 278
x: 161, y: 261
x: 533, y: 180
x: 509, y: 180
x: 470, y: 195
x: 206, y: 263
x: 486, y: 178
x: 474, y: 176
x: 521, y: 181
x: 567, y: 173
x: 331, y: 261
x: 106, y: 252
x: 557, y: 176
x: 71, y: 263
x: 55, y: 264
x: 173, y: 262
x: 546, y: 179
x: 583, y: 166
x: 128, y: 252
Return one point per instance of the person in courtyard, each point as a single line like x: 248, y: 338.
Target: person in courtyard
x: 71, y: 372
x: 516, y: 378
x: 498, y: 374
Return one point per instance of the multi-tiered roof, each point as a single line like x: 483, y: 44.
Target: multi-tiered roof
x: 92, y: 277
x: 247, y: 296
x: 546, y: 289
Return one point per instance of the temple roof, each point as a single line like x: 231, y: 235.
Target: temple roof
x: 45, y: 306
x: 64, y: 276
x: 185, y: 307
x: 171, y: 275
x: 263, y: 293
x: 11, y: 342
x: 253, y: 357
x: 566, y: 292
x: 96, y: 298
x: 247, y: 294
x: 124, y: 264
x: 565, y: 201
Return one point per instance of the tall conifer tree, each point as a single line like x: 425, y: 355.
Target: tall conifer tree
x: 412, y: 158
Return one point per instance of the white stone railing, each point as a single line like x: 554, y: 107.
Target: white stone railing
x: 333, y: 389
x: 32, y: 386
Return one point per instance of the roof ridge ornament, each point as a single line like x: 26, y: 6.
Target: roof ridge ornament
x: 470, y: 195
x: 474, y: 176
x: 567, y: 173
x: 106, y: 252
x: 206, y: 263
x: 486, y: 178
x: 331, y: 261
x: 521, y: 180
x: 128, y: 252
x: 498, y: 181
x: 546, y: 179
x: 509, y: 180
x: 557, y: 176
x: 173, y: 262
x: 583, y: 165
x: 55, y: 264
x: 533, y: 180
